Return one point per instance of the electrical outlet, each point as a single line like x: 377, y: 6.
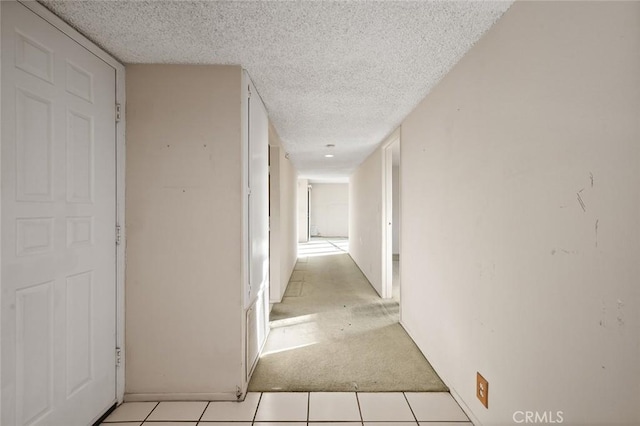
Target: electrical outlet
x: 482, y: 390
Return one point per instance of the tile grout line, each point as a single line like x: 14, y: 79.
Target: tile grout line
x: 359, y: 409
x: 308, y: 406
x: 202, y: 414
x: 253, y: 420
x: 152, y: 410
x: 410, y: 407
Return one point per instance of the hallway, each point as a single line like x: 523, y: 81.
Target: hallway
x: 332, y: 332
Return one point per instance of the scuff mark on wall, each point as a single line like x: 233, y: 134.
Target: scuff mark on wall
x: 620, y: 319
x: 584, y: 208
x: 568, y: 251
x: 591, y: 177
x: 620, y: 313
x: 596, y: 229
x: 565, y: 251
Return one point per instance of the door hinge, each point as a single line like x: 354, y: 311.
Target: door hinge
x: 118, y: 356
x: 118, y: 235
x: 118, y: 113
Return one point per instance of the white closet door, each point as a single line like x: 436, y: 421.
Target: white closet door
x: 259, y: 196
x: 257, y: 316
x: 58, y: 223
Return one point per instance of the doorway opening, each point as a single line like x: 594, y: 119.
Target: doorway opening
x: 391, y: 280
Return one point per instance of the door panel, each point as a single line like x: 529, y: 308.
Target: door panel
x: 34, y: 351
x: 58, y: 223
x: 34, y: 145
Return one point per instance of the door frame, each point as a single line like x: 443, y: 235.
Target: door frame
x: 65, y: 28
x: 249, y: 301
x: 309, y: 189
x: 387, y: 214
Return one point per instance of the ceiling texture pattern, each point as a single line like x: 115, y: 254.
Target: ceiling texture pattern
x: 342, y: 73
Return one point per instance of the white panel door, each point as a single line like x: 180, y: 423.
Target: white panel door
x: 58, y: 220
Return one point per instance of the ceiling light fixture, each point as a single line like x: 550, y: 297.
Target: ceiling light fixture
x: 328, y: 155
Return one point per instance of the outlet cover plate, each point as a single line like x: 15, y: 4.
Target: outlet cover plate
x: 482, y: 390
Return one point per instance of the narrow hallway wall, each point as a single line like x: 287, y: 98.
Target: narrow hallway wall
x: 184, y: 230
x: 302, y: 217
x: 520, y: 210
x: 284, y: 243
x: 365, y: 218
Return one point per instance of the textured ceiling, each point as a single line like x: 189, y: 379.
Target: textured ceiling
x: 343, y: 73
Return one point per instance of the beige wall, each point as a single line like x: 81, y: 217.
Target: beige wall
x: 288, y: 220
x: 330, y: 209
x: 283, y: 232
x: 183, y: 201
x: 275, y: 272
x: 303, y: 210
x: 365, y: 220
x: 521, y: 237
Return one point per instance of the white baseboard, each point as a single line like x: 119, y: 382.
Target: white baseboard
x: 214, y: 396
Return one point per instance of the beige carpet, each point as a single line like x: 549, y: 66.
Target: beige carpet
x: 333, y: 333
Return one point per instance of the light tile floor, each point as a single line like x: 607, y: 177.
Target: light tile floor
x: 299, y: 409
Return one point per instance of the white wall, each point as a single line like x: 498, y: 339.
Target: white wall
x: 184, y: 230
x: 365, y: 218
x: 274, y: 220
x: 521, y: 237
x: 283, y: 235
x: 395, y: 176
x: 288, y: 227
x: 330, y: 209
x: 303, y: 210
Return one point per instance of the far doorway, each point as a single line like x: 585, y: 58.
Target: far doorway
x: 328, y: 210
